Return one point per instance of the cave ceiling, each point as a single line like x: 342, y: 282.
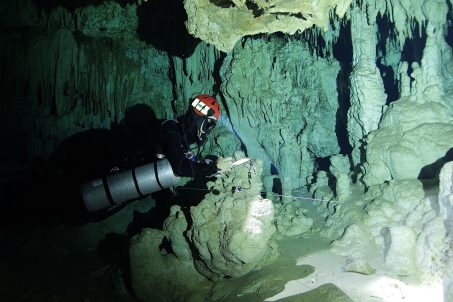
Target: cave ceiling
x: 224, y: 22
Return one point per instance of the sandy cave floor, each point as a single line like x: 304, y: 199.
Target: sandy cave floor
x: 89, y: 263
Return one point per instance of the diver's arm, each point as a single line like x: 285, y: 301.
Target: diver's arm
x: 182, y: 164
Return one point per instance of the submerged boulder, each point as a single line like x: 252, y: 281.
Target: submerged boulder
x: 403, y: 231
x: 228, y: 234
x: 233, y: 225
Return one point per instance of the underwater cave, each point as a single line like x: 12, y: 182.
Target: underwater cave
x: 243, y: 150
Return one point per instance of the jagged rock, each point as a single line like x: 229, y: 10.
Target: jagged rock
x: 286, y: 121
x: 291, y: 219
x: 403, y: 145
x: 229, y: 236
x: 233, y: 225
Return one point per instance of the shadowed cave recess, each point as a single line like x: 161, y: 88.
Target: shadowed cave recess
x: 344, y: 109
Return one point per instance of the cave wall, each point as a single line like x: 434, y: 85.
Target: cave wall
x: 70, y: 68
x: 365, y: 100
x: 298, y: 102
x: 286, y: 116
x: 60, y: 76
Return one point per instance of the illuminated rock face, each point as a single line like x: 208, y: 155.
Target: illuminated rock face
x: 403, y: 146
x: 402, y: 232
x: 233, y: 225
x: 229, y: 235
x: 282, y: 103
x: 367, y: 88
x: 224, y: 22
x: 415, y: 131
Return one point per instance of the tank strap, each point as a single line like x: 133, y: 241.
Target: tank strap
x: 156, y: 173
x: 107, y: 191
x: 137, y: 188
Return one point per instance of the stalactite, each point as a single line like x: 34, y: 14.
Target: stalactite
x: 85, y: 82
x: 280, y: 102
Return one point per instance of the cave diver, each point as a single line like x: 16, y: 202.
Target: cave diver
x: 168, y: 156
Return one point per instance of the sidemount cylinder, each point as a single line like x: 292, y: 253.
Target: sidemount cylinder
x: 127, y: 185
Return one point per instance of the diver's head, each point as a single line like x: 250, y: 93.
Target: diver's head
x: 205, y: 112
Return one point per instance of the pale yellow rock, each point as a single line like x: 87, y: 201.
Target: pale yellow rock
x: 223, y: 23
x: 225, y: 163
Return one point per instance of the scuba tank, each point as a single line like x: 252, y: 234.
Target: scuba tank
x: 127, y: 185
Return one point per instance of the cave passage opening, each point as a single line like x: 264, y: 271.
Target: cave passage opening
x: 386, y: 36
x: 342, y: 52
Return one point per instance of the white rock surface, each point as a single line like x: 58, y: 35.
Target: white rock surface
x: 415, y: 130
x: 446, y: 212
x: 399, y: 249
x: 232, y: 227
x: 403, y: 145
x: 405, y: 233
x: 367, y: 94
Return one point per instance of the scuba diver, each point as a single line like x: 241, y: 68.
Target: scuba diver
x: 166, y: 154
x: 175, y: 137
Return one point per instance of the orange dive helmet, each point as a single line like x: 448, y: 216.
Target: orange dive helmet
x: 206, y: 112
x: 206, y: 106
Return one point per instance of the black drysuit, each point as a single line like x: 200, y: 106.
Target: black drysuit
x: 173, y: 143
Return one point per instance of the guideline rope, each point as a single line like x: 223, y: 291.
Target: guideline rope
x: 279, y: 195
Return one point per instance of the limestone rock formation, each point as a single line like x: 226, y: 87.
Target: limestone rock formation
x: 403, y: 143
x: 446, y: 212
x: 286, y: 116
x: 109, y: 20
x: 232, y: 227
x: 230, y: 234
x: 367, y: 88
x: 291, y: 219
x: 402, y: 234
x: 341, y: 168
x: 224, y: 22
x: 69, y: 66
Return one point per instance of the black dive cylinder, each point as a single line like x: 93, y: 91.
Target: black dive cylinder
x: 127, y: 185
